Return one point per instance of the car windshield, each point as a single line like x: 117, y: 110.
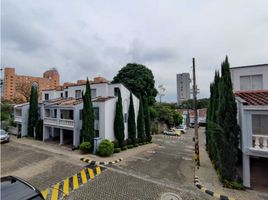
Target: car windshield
x: 180, y: 126
x: 2, y: 132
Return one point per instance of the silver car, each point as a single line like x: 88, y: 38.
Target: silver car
x: 4, y: 136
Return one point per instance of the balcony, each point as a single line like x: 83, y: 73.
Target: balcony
x: 260, y: 143
x: 68, y: 123
x: 17, y: 119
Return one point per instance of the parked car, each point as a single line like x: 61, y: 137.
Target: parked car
x: 171, y: 132
x: 15, y: 188
x: 4, y: 136
x: 182, y: 129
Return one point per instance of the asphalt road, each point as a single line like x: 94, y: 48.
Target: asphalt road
x: 168, y: 168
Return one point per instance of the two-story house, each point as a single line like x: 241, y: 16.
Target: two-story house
x: 250, y: 84
x: 61, y: 111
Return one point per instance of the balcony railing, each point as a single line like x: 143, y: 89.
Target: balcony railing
x: 17, y: 118
x: 61, y: 122
x: 260, y: 142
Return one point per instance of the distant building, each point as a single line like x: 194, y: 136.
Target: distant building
x: 201, y: 115
x: 250, y: 84
x: 50, y: 80
x: 183, y: 87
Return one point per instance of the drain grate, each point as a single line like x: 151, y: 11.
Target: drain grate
x: 170, y: 196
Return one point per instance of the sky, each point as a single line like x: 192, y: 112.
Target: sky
x: 97, y: 37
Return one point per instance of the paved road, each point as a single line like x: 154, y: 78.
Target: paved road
x: 39, y: 167
x: 166, y: 169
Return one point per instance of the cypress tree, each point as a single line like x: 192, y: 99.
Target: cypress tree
x: 131, y: 121
x: 227, y: 120
x: 33, y: 110
x: 147, y: 120
x: 87, y: 131
x: 140, y: 123
x: 119, y: 121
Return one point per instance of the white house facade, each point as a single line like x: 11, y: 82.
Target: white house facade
x: 250, y: 85
x: 61, y: 112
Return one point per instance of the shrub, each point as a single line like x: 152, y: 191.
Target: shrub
x: 144, y: 142
x: 138, y: 140
x: 124, y: 148
x: 116, y: 144
x: 106, y: 148
x: 85, y: 147
x: 128, y: 141
x: 136, y: 145
x: 130, y: 146
x: 117, y: 150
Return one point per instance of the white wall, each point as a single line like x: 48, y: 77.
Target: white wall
x: 245, y: 71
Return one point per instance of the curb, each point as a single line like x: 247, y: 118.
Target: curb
x: 72, y: 183
x: 93, y: 162
x: 211, y: 193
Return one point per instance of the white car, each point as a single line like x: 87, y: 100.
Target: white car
x: 172, y: 132
x: 182, y: 128
x: 4, y: 136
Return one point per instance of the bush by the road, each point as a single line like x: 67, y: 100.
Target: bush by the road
x: 106, y: 148
x: 117, y: 150
x: 85, y: 147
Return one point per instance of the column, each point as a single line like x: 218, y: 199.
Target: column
x: 61, y: 136
x: 246, y: 170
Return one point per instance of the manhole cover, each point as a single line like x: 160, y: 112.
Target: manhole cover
x: 170, y: 196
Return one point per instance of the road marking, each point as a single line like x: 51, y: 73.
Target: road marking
x: 44, y: 193
x: 55, y: 191
x: 91, y: 173
x: 75, y: 182
x: 83, y: 176
x: 66, y: 187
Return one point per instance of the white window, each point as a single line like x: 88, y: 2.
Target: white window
x: 78, y: 94
x: 251, y: 82
x: 93, y: 93
x: 46, y: 96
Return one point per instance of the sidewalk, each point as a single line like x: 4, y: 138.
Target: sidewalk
x: 209, y: 179
x: 76, y: 155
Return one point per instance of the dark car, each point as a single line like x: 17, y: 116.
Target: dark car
x: 17, y: 189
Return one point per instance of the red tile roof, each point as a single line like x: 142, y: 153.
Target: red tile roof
x: 254, y: 98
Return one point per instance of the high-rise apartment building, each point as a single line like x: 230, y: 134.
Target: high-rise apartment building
x: 12, y: 81
x: 183, y: 87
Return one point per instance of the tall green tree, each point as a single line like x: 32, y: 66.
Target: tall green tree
x: 140, y: 123
x: 227, y: 112
x: 131, y: 121
x: 87, y: 131
x: 33, y: 110
x: 119, y: 121
x: 139, y: 80
x: 147, y: 119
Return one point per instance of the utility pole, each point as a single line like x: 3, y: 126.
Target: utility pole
x: 197, y: 158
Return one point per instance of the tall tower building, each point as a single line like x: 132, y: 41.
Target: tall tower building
x: 183, y: 87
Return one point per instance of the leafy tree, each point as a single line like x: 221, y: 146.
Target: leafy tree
x: 87, y: 131
x: 6, y: 110
x: 24, y: 89
x: 177, y: 118
x: 39, y: 130
x: 140, y: 123
x: 147, y: 119
x: 139, y: 80
x: 201, y: 103
x: 131, y: 121
x: 33, y: 110
x: 119, y: 121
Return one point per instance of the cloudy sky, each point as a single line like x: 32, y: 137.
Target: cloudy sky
x: 96, y: 38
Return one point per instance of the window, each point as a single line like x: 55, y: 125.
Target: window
x: 66, y: 94
x: 46, y: 96
x: 251, y: 82
x: 78, y: 94
x: 61, y: 94
x: 55, y: 113
x: 116, y: 91
x: 125, y: 117
x: 96, y: 113
x: 93, y: 93
x: 80, y: 114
